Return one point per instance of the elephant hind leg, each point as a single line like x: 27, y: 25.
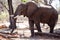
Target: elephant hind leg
x: 51, y: 28
x: 52, y: 25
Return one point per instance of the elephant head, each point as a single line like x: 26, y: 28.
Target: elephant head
x: 21, y: 10
x: 26, y: 9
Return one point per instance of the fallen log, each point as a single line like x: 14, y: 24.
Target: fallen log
x: 50, y: 35
x: 3, y: 26
x: 9, y: 35
x: 3, y: 37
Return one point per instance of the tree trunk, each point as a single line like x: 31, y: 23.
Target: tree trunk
x: 50, y: 1
x: 11, y: 16
x: 45, y: 2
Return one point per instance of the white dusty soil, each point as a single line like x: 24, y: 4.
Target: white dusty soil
x: 24, y: 33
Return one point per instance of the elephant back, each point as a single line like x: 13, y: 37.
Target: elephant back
x: 31, y: 7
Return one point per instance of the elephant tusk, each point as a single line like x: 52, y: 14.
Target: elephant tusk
x: 16, y: 16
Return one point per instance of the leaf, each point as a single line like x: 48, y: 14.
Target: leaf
x: 23, y: 0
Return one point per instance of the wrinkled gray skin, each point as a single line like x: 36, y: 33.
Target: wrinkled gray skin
x: 38, y: 15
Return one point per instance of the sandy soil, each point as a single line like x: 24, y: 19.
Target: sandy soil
x: 23, y: 33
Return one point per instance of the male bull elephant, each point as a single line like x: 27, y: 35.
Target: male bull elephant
x: 37, y: 15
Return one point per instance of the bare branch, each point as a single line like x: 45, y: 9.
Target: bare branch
x: 45, y: 2
x: 37, y: 1
x: 59, y: 0
x: 50, y: 1
x: 4, y: 6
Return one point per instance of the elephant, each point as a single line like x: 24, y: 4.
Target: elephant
x: 37, y: 15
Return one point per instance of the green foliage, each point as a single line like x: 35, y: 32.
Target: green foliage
x: 24, y: 0
x: 3, y: 16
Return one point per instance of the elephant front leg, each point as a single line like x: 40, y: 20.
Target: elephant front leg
x: 31, y: 24
x: 38, y: 27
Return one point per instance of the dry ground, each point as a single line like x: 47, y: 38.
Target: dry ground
x: 23, y: 33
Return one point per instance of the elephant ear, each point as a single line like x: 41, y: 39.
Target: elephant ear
x: 31, y: 7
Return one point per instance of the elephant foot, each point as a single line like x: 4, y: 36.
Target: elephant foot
x: 39, y: 31
x: 32, y: 36
x: 51, y: 31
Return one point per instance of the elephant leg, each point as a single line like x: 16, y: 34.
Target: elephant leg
x: 52, y: 23
x: 31, y: 24
x: 38, y: 27
x: 51, y: 27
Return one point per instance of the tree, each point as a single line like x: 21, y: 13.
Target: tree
x: 46, y: 2
x: 11, y: 16
x: 10, y: 10
x: 1, y: 6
